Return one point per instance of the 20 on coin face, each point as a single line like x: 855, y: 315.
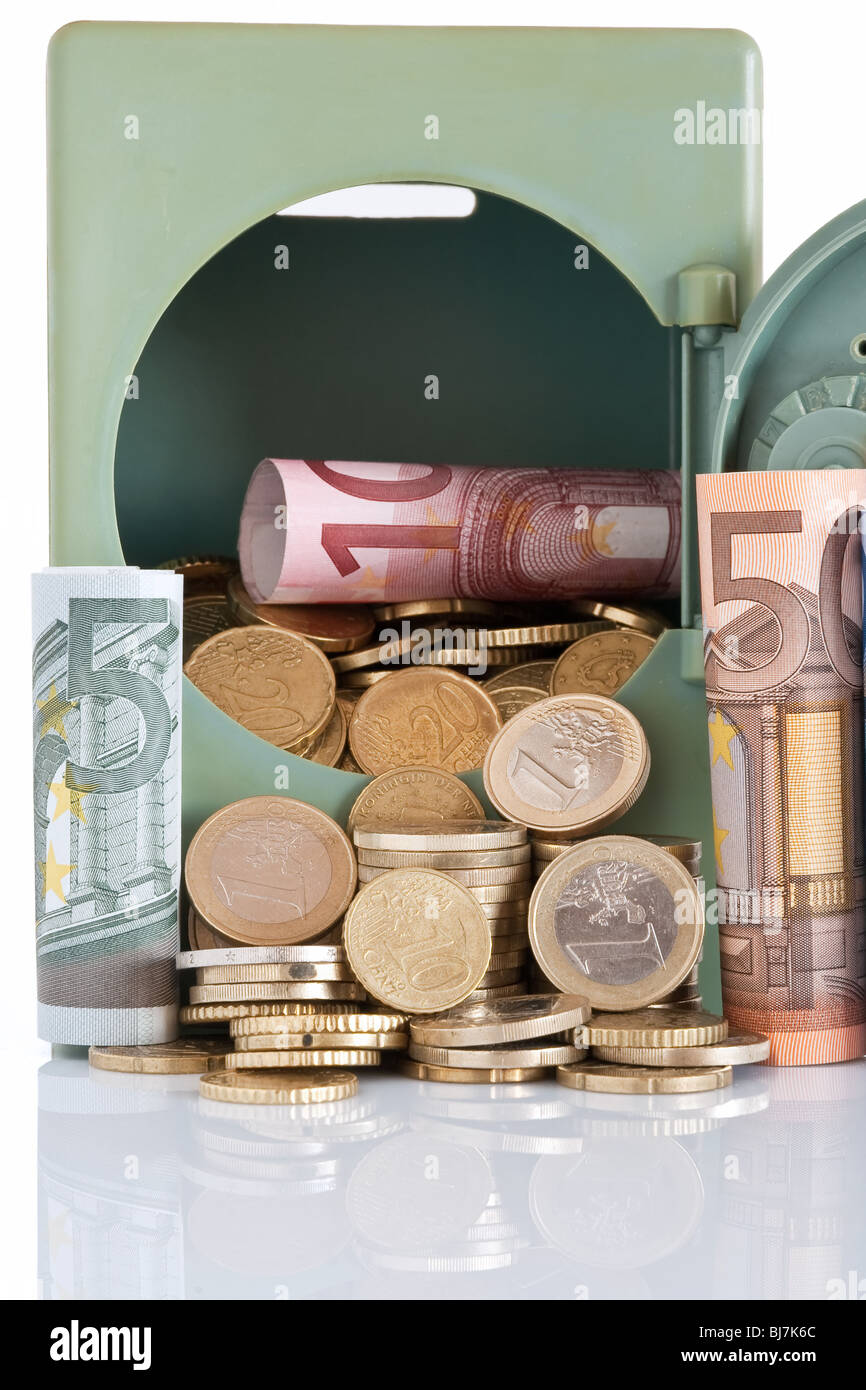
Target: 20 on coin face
x: 423, y: 716
x: 278, y: 685
x: 618, y: 920
x: 572, y: 763
x: 417, y: 940
x: 270, y: 870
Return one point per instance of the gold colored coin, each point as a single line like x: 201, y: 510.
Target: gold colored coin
x: 570, y: 763
x: 202, y: 574
x: 545, y: 853
x: 347, y: 763
x: 318, y: 953
x: 443, y: 837
x: 302, y: 972
x: 204, y: 615
x: 588, y: 916
x: 184, y: 1057
x: 511, y: 910
x: 362, y: 680
x: 417, y: 940
x: 495, y: 979
x: 269, y: 870
x: 275, y: 684
x: 697, y: 1003
x: 423, y: 718
x: 507, y: 1055
x: 279, y: 1087
x: 327, y: 749
x: 446, y: 860
x: 229, y: 1013
x: 510, y: 1021
x: 680, y: 846
x: 511, y: 699
x: 413, y: 795
x: 310, y: 1022
x: 273, y: 991
x: 299, y: 1057
x: 600, y: 664
x: 479, y: 658
x: 643, y: 1028
x: 506, y: 960
x: 471, y: 1076
x: 435, y: 607
x: 333, y: 627
x: 484, y: 994
x: 543, y: 634
x: 202, y: 936
x: 506, y: 944
x: 737, y: 1049
x: 288, y: 1042
x: 642, y: 1081
x: 529, y: 673
x: 487, y: 885
x: 621, y: 615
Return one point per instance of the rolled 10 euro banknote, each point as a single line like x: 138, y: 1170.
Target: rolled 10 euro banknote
x: 781, y: 585
x: 341, y: 532
x: 106, y: 789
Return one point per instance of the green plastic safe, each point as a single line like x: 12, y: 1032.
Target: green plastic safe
x: 578, y: 318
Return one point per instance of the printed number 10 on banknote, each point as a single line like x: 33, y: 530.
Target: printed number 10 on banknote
x: 781, y: 586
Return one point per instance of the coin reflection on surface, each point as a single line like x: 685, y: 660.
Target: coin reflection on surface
x: 620, y: 1204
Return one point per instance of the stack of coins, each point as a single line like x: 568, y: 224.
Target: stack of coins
x: 340, y: 684
x: 671, y: 1051
x: 489, y: 859
x: 504, y: 1041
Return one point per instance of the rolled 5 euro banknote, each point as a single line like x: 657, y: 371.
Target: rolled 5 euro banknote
x: 338, y: 532
x: 106, y: 790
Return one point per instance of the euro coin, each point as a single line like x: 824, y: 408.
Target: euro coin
x: 446, y: 836
x: 621, y: 615
x: 426, y: 717
x: 511, y: 699
x: 303, y: 972
x: 484, y: 994
x: 530, y: 673
x: 448, y: 860
x: 508, y: 1021
x: 317, y: 954
x: 656, y: 1028
x: 642, y: 1081
x: 277, y: 685
x: 571, y: 763
x: 737, y: 1049
x: 616, y: 919
x: 332, y: 626
x: 228, y: 1013
x: 601, y: 663
x: 184, y: 1057
x: 413, y: 795
x: 327, y: 748
x: 320, y: 1022
x: 274, y: 991
x: 471, y: 1076
x: 279, y: 1087
x: 299, y: 1057
x: 507, y: 1056
x: 417, y: 940
x: 288, y: 1042
x: 270, y: 871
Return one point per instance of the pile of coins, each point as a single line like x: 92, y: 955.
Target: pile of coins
x: 342, y: 685
x: 491, y: 862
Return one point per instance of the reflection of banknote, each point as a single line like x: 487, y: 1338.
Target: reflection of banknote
x: 781, y: 588
x: 106, y: 707
x: 387, y: 532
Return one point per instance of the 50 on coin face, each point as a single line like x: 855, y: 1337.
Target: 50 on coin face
x: 417, y: 940
x: 618, y: 920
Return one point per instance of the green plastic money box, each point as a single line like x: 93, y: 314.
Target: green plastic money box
x: 577, y: 317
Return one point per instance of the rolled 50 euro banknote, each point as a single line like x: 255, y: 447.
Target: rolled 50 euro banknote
x: 780, y: 558
x: 106, y: 790
x: 338, y: 532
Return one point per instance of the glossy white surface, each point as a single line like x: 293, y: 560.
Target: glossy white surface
x: 421, y: 1191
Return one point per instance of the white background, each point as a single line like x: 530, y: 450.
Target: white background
x: 814, y: 64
